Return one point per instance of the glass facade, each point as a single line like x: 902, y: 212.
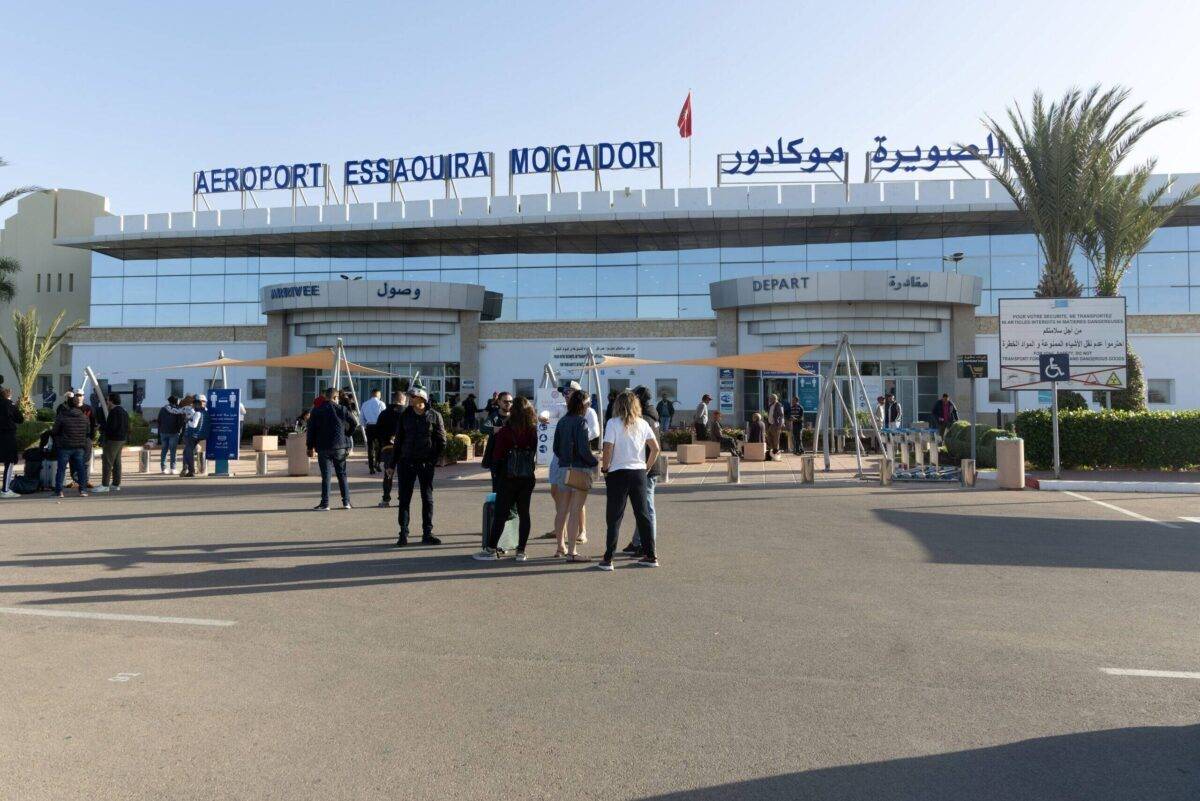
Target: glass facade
x: 606, y: 277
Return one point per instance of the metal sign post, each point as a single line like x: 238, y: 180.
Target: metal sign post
x: 973, y: 366
x: 1054, y: 367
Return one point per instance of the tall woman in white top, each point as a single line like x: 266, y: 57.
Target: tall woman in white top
x: 629, y: 445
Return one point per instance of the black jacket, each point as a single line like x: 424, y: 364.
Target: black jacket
x: 73, y: 429
x: 385, y: 426
x: 170, y: 424
x: 491, y: 424
x: 10, y: 416
x: 116, y: 425
x: 419, y: 437
x: 330, y: 427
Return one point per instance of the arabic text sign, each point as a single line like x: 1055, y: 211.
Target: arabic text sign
x: 779, y: 156
x: 570, y: 357
x: 1091, y: 331
x: 932, y: 158
x: 390, y: 291
x: 973, y: 365
x: 225, y: 433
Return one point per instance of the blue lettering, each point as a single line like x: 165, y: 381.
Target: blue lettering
x: 201, y: 184
x: 249, y: 178
x: 300, y: 174
x: 583, y: 159
x: 401, y: 173
x: 460, y: 165
x: 605, y: 156
x: 383, y: 171
x: 562, y: 157
x: 282, y: 181
x: 481, y: 166
x: 318, y: 175
x: 217, y: 177
x: 544, y: 153
x: 646, y: 152
x: 350, y: 174
x: 424, y: 169
x: 627, y: 149
x: 264, y: 176
x: 757, y: 286
x: 437, y: 167
x: 518, y: 161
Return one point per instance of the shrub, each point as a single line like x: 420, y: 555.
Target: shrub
x: 29, y: 432
x: 1133, y: 397
x: 673, y: 438
x: 250, y: 430
x: 139, y: 430
x: 1113, y: 438
x: 1069, y: 401
x: 457, y: 447
x: 45, y: 415
x: 958, y: 442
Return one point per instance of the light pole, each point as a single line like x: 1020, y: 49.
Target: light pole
x: 954, y: 258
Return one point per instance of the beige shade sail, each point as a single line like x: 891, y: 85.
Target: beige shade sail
x: 313, y: 360
x: 785, y: 360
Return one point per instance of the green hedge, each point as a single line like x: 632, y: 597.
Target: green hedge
x: 958, y: 442
x: 1112, y: 438
x: 29, y: 432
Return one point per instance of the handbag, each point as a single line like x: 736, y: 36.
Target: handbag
x: 578, y: 479
x: 520, y: 463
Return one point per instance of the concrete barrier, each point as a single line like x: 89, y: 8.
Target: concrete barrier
x: 144, y: 461
x: 265, y: 442
x: 1010, y: 464
x: 298, y: 463
x: 968, y: 472
x: 808, y: 470
x: 664, y: 469
x: 712, y: 449
x: 754, y: 452
x: 885, y: 471
x: 690, y: 453
x: 733, y: 469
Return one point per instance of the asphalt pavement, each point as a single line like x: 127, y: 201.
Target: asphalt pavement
x: 214, y: 639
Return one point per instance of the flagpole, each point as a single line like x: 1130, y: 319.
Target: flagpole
x: 691, y: 133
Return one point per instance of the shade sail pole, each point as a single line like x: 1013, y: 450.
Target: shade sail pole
x: 340, y: 361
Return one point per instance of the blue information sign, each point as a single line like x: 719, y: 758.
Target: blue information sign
x: 224, y: 406
x: 808, y: 387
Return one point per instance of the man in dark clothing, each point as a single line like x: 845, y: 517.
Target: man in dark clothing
x: 892, y: 411
x: 72, y: 433
x: 470, y: 413
x: 328, y: 434
x: 171, y: 420
x: 195, y: 431
x: 796, y: 417
x: 944, y: 413
x: 420, y: 440
x: 112, y: 441
x: 385, y: 433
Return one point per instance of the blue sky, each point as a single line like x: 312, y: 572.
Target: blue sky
x: 128, y: 99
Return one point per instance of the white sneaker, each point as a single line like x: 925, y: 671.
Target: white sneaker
x: 174, y: 471
x: 9, y: 494
x: 116, y: 488
x: 520, y: 557
x: 99, y: 490
x: 163, y: 469
x: 485, y: 555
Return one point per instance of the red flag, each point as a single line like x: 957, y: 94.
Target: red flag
x: 685, y: 118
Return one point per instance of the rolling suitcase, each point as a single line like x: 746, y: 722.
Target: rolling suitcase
x: 511, y: 535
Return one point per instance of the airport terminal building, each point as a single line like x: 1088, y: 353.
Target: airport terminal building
x: 478, y: 294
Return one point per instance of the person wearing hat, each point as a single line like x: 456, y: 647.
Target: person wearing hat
x: 195, y: 432
x: 420, y: 440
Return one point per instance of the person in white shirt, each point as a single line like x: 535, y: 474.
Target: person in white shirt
x: 370, y: 416
x: 629, y: 446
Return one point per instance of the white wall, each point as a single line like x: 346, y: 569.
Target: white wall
x: 503, y: 360
x: 120, y: 362
x: 1163, y: 356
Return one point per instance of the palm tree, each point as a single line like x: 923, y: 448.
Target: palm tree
x: 13, y: 194
x: 33, y: 350
x: 8, y: 288
x: 1057, y: 158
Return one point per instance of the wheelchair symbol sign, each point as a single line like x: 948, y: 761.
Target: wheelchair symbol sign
x: 1054, y: 366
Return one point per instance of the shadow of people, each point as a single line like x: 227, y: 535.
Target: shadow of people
x: 1152, y: 763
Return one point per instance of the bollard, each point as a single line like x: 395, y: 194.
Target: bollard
x: 144, y: 461
x: 201, y: 462
x: 260, y: 463
x: 808, y: 471
x: 664, y: 469
x: 904, y: 453
x: 885, y: 472
x: 922, y: 440
x: 968, y: 472
x: 934, y: 453
x: 734, y: 469
x: 840, y: 443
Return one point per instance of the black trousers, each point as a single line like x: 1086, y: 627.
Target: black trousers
x: 407, y: 474
x: 514, y: 493
x: 797, y: 436
x: 700, y: 431
x: 372, y: 432
x: 622, y: 486
x: 498, y: 479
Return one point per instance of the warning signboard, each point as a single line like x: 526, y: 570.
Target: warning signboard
x: 1090, y: 331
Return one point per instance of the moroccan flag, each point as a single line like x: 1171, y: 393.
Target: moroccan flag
x: 685, y: 118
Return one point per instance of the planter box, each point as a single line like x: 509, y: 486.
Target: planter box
x: 297, y: 457
x: 691, y: 454
x: 265, y: 442
x: 712, y: 449
x: 480, y: 444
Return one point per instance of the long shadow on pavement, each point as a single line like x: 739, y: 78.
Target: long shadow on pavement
x: 1152, y: 762
x: 965, y: 539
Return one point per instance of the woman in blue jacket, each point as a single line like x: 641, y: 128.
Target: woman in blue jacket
x: 573, y: 452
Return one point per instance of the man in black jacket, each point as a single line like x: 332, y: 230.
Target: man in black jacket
x: 328, y: 433
x: 385, y: 433
x: 420, y: 440
x: 112, y: 442
x: 72, y: 433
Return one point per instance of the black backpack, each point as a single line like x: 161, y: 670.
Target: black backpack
x: 25, y: 485
x: 520, y: 463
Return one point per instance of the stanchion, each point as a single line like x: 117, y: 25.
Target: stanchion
x: 968, y: 472
x: 664, y: 469
x: 260, y: 463
x: 807, y: 468
x: 885, y: 471
x: 734, y: 469
x: 144, y: 461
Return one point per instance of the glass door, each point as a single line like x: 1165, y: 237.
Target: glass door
x: 905, y: 388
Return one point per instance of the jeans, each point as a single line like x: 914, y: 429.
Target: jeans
x: 336, y: 458
x: 628, y: 485
x: 409, y: 473
x: 169, y: 442
x: 797, y: 436
x: 651, y: 481
x: 515, y: 493
x: 110, y: 466
x: 665, y: 423
x: 189, y: 454
x: 78, y: 460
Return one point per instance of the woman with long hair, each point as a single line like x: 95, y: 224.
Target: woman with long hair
x: 514, y: 454
x: 573, y: 455
x: 629, y: 446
